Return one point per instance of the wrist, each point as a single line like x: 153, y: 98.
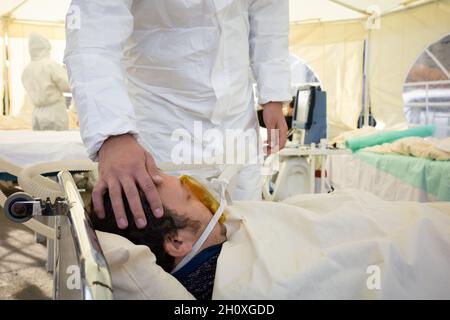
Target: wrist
x: 111, y: 140
x: 119, y: 136
x: 272, y: 104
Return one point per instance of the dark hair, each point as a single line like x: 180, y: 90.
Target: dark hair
x: 153, y: 235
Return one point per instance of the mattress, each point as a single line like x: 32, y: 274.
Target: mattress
x: 392, y: 177
x: 345, y: 245
x: 25, y: 147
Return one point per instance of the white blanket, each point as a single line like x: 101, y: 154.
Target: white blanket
x: 331, y: 246
x: 347, y: 245
x: 24, y: 147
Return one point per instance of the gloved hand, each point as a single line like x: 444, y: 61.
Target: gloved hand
x: 274, y: 120
x: 124, y: 165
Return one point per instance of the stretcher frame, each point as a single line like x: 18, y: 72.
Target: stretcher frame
x: 80, y: 269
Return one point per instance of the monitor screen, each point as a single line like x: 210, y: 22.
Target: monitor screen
x: 302, y: 105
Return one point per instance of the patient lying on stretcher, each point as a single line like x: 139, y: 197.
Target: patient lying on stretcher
x: 172, y: 237
x: 344, y: 245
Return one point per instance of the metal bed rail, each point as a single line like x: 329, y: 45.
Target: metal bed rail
x: 80, y: 269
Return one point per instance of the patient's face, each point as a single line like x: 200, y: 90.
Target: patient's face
x: 178, y: 198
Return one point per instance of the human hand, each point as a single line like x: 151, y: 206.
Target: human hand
x: 274, y: 119
x: 125, y: 165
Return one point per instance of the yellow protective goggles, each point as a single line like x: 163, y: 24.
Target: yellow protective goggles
x: 202, y: 194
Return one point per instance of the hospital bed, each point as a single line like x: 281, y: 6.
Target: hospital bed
x: 332, y: 258
x: 55, y: 210
x: 80, y: 270
x: 26, y: 147
x: 392, y: 177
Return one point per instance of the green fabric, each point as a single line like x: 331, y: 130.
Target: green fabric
x: 429, y: 175
x: 385, y: 137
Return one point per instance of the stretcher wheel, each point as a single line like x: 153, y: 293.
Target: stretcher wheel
x: 20, y: 213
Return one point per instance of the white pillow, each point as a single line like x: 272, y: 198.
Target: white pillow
x: 135, y: 274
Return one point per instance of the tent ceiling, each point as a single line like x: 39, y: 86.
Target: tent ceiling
x: 301, y: 10
x: 339, y: 10
x: 35, y: 10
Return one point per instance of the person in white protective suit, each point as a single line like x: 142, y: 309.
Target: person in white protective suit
x: 45, y: 82
x: 142, y: 70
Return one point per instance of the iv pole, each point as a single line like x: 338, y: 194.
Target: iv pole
x: 366, y: 118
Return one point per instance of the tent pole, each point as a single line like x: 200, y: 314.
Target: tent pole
x: 366, y: 78
x: 10, y: 13
x: 362, y: 121
x: 39, y: 23
x: 349, y: 7
x: 6, y: 100
x: 408, y: 5
x: 5, y: 24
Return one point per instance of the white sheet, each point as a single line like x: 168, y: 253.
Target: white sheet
x: 347, y: 171
x: 23, y: 147
x: 311, y: 246
x: 322, y: 246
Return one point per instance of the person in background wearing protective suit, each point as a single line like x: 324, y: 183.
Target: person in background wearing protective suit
x: 45, y: 82
x: 140, y: 70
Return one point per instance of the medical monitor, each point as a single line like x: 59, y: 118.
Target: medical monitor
x: 309, y: 113
x: 303, y: 107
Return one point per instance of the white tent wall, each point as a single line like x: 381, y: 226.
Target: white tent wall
x: 335, y: 52
x: 331, y: 45
x: 2, y: 59
x: 19, y: 57
x: 395, y: 48
x: 35, y: 10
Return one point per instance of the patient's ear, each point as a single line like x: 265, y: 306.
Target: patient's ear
x: 179, y: 244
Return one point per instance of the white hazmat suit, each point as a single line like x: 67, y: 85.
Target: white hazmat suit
x: 153, y: 67
x: 45, y: 81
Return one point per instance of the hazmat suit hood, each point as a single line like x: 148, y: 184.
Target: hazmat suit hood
x: 39, y: 47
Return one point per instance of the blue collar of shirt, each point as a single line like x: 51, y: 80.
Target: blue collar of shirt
x: 197, y: 261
